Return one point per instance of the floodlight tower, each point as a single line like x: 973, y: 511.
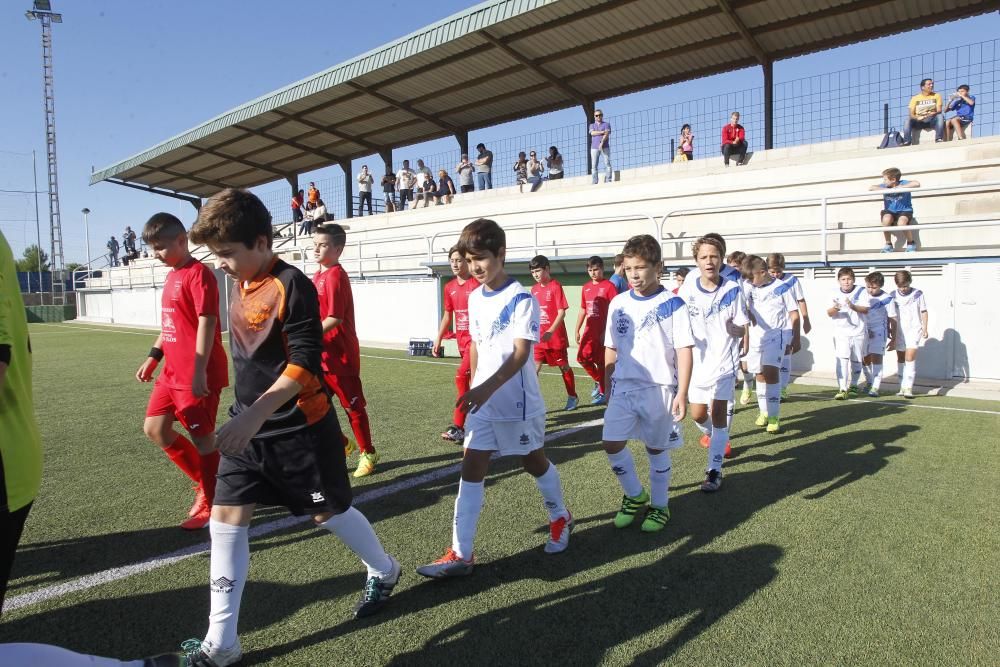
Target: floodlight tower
x: 42, y: 12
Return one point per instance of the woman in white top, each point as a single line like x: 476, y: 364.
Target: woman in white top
x: 554, y: 162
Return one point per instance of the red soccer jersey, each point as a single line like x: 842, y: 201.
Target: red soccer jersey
x: 341, y: 352
x: 594, y: 301
x: 551, y: 299
x: 456, y: 301
x: 189, y: 292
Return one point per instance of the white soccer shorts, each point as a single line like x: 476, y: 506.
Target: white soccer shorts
x: 876, y: 342
x: 722, y: 390
x: 849, y: 347
x: 907, y: 339
x: 506, y: 438
x: 643, y: 414
x: 767, y: 351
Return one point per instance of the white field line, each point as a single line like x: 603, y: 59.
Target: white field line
x: 156, y: 562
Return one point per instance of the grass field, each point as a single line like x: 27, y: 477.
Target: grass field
x: 865, y: 533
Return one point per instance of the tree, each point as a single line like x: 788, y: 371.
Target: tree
x: 33, y: 256
x: 73, y: 266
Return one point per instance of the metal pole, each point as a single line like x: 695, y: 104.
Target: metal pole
x: 885, y: 118
x: 86, y: 234
x: 38, y: 231
x: 768, y: 105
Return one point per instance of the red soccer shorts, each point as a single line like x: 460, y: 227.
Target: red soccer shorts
x: 196, y: 415
x: 550, y: 357
x: 590, y: 350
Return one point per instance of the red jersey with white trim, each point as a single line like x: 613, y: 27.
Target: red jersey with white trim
x: 594, y: 301
x: 551, y: 299
x: 341, y: 352
x: 456, y: 302
x: 189, y: 292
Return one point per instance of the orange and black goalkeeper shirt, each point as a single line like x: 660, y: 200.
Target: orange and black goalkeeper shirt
x: 274, y: 330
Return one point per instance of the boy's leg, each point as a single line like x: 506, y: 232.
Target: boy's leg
x: 547, y: 478
x: 719, y: 437
x: 469, y: 503
x: 179, y: 449
x: 888, y: 220
x: 904, y: 221
x: 228, y: 569
x: 462, y: 379
x: 876, y: 361
x: 11, y: 528
x: 349, y: 392
x: 660, y: 470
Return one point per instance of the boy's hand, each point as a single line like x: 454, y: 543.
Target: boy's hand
x: 806, y: 325
x: 679, y: 407
x: 577, y: 336
x: 145, y: 372
x: 547, y: 336
x: 890, y: 345
x: 472, y: 400
x: 234, y: 436
x: 199, y: 384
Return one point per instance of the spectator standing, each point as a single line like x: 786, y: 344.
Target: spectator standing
x: 388, y: 190
x: 925, y: 113
x: 298, y: 201
x: 128, y: 240
x: 734, y: 140
x: 365, y: 182
x: 313, y: 193
x: 964, y: 106
x: 521, y: 170
x: 535, y: 169
x: 600, y: 144
x: 897, y: 207
x: 113, y: 248
x: 466, y: 174
x: 484, y: 167
x: 445, y: 188
x: 424, y: 191
x: 554, y: 163
x: 687, y: 142
x: 405, y: 180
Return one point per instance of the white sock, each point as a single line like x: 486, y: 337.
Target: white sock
x: 44, y: 655
x: 773, y: 393
x: 354, y: 530
x: 785, y: 372
x: 867, y: 368
x: 623, y: 465
x: 659, y: 477
x: 468, y: 505
x: 705, y: 427
x: 843, y: 373
x: 717, y: 448
x: 551, y: 489
x: 876, y: 376
x: 230, y: 563
x: 762, y: 397
x: 748, y: 380
x: 909, y: 373
x: 855, y: 373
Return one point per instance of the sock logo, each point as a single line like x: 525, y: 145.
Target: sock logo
x: 317, y: 497
x: 662, y: 472
x: 773, y: 400
x: 550, y: 505
x: 221, y: 585
x: 618, y: 470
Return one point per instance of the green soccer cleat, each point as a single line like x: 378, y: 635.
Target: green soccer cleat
x: 840, y: 396
x: 656, y: 519
x: 630, y: 505
x: 784, y: 393
x: 852, y: 391
x: 366, y: 464
x: 773, y: 425
x: 761, y: 420
x: 745, y: 395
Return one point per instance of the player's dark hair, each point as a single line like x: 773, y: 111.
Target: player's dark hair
x: 776, y: 261
x: 539, y: 262
x: 736, y: 257
x: 333, y: 231
x: 644, y: 247
x: 963, y: 85
x: 233, y: 216
x: 923, y: 82
x: 717, y: 237
x: 162, y: 227
x: 903, y: 278
x: 452, y: 250
x: 875, y: 278
x: 482, y: 235
x: 682, y: 272
x: 595, y: 261
x: 845, y: 271
x: 619, y: 260
x: 750, y: 264
x: 708, y: 240
x: 893, y: 173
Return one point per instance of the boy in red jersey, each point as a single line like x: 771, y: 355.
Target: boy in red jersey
x: 553, y: 347
x: 595, y: 297
x: 341, y: 353
x: 195, y: 370
x: 456, y: 304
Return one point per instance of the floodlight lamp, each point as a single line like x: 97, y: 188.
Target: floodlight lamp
x: 30, y: 15
x: 43, y: 6
x: 85, y: 211
x: 57, y: 18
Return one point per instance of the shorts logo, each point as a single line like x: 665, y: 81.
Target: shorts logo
x: 673, y: 436
x: 222, y: 585
x: 534, y: 327
x: 525, y: 439
x: 317, y: 497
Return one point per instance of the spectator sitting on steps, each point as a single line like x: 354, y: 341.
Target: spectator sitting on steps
x: 734, y: 140
x: 964, y: 106
x: 925, y: 114
x: 897, y: 207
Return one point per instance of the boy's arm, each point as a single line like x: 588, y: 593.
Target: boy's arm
x: 235, y: 434
x: 560, y: 316
x: 473, y: 353
x: 910, y: 185
x: 804, y: 312
x: 685, y: 361
x: 442, y: 330
x: 202, y: 347
x: 331, y: 323
x: 474, y: 399
x: 579, y: 319
x: 610, y: 359
x: 145, y: 372
x: 923, y: 322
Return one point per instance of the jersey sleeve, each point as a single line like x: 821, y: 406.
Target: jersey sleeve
x: 301, y: 325
x: 204, y: 290
x: 797, y: 289
x: 681, y: 325
x: 739, y: 309
x: 562, y: 303
x: 525, y: 319
x: 890, y: 308
x: 921, y: 304
x: 790, y: 303
x: 609, y: 338
x: 449, y: 305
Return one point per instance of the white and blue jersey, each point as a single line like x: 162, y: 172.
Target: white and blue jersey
x: 716, y: 351
x: 770, y: 305
x: 848, y: 323
x: 646, y: 331
x: 881, y: 307
x: 908, y: 308
x: 496, y: 320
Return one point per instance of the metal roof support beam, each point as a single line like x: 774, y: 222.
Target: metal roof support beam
x: 572, y: 92
x: 408, y: 108
x: 386, y: 155
x: 463, y: 141
x: 348, y: 187
x: 194, y: 201
x: 588, y: 113
x: 374, y: 148
x: 290, y: 142
x: 741, y: 27
x: 768, y: 104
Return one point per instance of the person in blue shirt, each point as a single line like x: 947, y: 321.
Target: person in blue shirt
x: 618, y: 277
x: 897, y: 207
x: 964, y: 106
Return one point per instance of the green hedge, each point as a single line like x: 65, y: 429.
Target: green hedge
x: 51, y: 313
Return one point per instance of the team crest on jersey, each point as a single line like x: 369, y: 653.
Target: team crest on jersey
x: 622, y: 322
x: 257, y: 314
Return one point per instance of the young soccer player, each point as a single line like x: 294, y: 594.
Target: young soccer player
x: 456, y: 306
x: 717, y: 310
x: 505, y: 406
x: 595, y: 297
x: 276, y: 449
x: 772, y: 311
x: 897, y: 206
x: 850, y: 328
x: 341, y: 354
x: 679, y: 276
x: 881, y: 312
x: 553, y: 348
x: 909, y: 331
x: 776, y: 267
x: 648, y: 359
x: 195, y: 370
x: 618, y: 277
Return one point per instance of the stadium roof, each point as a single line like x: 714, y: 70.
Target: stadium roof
x: 498, y: 61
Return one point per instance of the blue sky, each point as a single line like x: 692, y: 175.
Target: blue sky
x: 131, y: 74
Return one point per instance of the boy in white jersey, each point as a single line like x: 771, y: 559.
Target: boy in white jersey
x: 881, y: 313
x: 648, y: 364
x: 717, y: 311
x: 776, y: 267
x: 910, y: 330
x: 848, y: 310
x: 772, y: 310
x: 505, y: 406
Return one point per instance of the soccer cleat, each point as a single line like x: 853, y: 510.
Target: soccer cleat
x: 559, y: 531
x: 630, y: 505
x: 165, y: 660
x: 656, y: 519
x: 377, y: 591
x: 761, y: 420
x: 773, y: 425
x: 729, y: 452
x: 887, y: 248
x: 907, y: 392
x: 745, y: 395
x: 366, y: 464
x: 454, y: 434
x: 784, y: 393
x: 713, y: 480
x: 571, y: 403
x: 200, y: 502
x: 349, y: 446
x: 595, y: 391
x: 198, y: 521
x: 705, y: 440
x: 198, y: 653
x: 873, y: 393
x: 840, y: 395
x: 852, y: 391
x: 600, y: 399
x: 448, y: 565
x: 900, y: 392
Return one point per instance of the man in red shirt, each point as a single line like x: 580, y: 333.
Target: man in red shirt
x: 553, y: 346
x: 341, y: 358
x: 456, y: 306
x: 734, y: 140
x: 195, y: 370
x: 595, y: 297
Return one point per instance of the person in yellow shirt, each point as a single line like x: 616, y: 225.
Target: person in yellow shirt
x: 20, y: 442
x: 925, y: 114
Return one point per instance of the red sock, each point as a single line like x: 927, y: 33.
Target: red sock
x: 362, y: 430
x: 600, y: 376
x: 591, y: 369
x: 185, y: 456
x: 209, y: 468
x: 569, y: 381
x: 462, y: 385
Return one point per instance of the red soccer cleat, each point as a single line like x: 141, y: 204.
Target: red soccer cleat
x: 705, y: 440
x: 729, y: 451
x: 201, y: 502
x: 199, y: 520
